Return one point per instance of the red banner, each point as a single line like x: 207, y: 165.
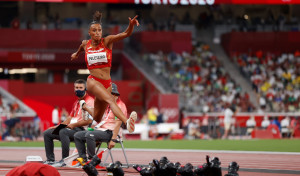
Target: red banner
x: 50, y: 39
x: 32, y: 59
x: 62, y: 95
x: 274, y: 42
x: 29, y: 57
x: 131, y: 93
x: 169, y: 106
x: 240, y: 120
x: 164, y: 41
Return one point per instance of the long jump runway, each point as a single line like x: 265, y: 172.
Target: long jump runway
x: 251, y: 163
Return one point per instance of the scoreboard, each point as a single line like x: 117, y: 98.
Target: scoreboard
x: 178, y: 2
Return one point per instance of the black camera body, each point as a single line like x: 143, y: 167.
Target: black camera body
x: 89, y: 168
x: 95, y: 161
x: 186, y: 170
x: 115, y: 169
x: 232, y: 169
x: 210, y: 168
x: 199, y: 171
x: 143, y: 170
x: 157, y: 168
x: 163, y: 167
x: 172, y: 168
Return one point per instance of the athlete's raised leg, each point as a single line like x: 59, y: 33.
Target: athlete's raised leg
x: 104, y: 96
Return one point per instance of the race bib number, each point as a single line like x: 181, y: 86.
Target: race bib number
x: 97, y: 58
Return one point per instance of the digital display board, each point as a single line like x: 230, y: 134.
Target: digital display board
x: 178, y: 2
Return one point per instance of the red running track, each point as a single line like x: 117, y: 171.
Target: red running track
x: 251, y: 163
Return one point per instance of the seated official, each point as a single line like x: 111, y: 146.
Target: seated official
x: 105, y: 131
x: 75, y: 123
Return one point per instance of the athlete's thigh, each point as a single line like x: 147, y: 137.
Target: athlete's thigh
x: 98, y: 90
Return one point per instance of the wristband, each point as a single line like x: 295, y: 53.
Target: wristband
x: 114, y: 140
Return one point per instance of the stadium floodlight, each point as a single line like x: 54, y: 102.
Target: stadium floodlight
x: 23, y: 71
x: 83, y: 71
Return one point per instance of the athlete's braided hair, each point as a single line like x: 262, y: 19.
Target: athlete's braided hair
x: 96, y: 18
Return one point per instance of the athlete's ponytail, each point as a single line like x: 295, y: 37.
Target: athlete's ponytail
x: 97, y: 18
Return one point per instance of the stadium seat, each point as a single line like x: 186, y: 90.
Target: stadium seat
x: 261, y: 134
x: 272, y: 132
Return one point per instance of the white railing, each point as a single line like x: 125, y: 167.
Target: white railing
x: 269, y: 114
x: 27, y: 112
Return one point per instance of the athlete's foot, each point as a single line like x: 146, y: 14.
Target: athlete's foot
x: 130, y: 124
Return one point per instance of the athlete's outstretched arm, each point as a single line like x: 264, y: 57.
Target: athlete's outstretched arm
x: 80, y: 49
x: 109, y: 40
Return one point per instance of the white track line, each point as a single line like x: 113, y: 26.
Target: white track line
x: 171, y: 150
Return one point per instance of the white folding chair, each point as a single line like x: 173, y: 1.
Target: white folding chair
x: 119, y: 140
